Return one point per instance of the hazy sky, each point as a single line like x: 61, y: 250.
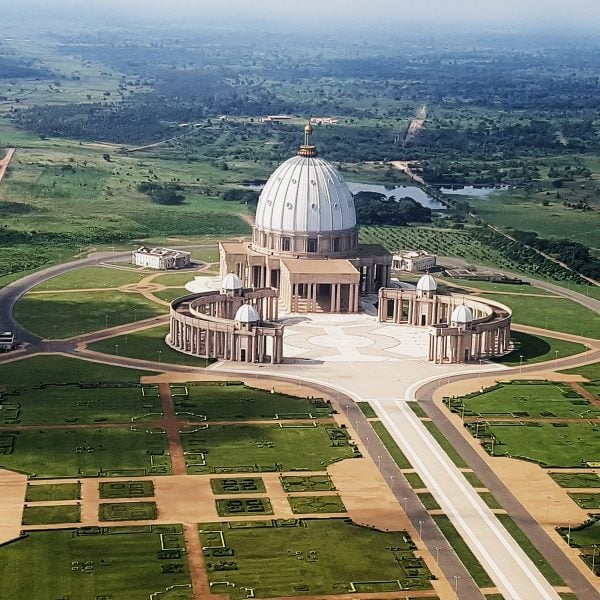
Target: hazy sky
x: 491, y: 12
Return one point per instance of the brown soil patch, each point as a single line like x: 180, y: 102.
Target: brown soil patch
x: 12, y: 497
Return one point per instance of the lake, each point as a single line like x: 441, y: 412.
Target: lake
x: 472, y: 191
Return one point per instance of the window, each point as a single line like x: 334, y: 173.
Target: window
x: 336, y: 244
x: 285, y: 244
x: 311, y: 246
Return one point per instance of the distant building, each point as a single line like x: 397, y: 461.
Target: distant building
x: 160, y: 258
x: 8, y: 341
x: 413, y: 261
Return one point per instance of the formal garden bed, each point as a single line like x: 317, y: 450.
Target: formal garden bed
x: 53, y: 491
x: 307, y: 483
x: 128, y: 511
x: 316, y: 504
x: 51, y: 515
x: 126, y: 489
x: 244, y: 506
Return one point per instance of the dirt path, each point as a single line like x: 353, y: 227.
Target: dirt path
x: 586, y: 394
x: 172, y: 428
x: 246, y: 218
x: 12, y: 496
x: 10, y: 152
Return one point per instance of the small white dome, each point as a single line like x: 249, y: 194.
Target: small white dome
x: 462, y: 315
x: 198, y: 285
x: 231, y: 283
x: 305, y: 194
x: 427, y: 284
x: 246, y: 314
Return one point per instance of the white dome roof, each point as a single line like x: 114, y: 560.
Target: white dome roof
x: 462, y: 315
x: 246, y: 314
x: 427, y: 284
x: 231, y: 282
x: 305, y: 194
x: 198, y: 285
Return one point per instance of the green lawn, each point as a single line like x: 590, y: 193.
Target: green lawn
x: 60, y: 369
x: 308, y: 483
x: 415, y: 481
x: 586, y: 535
x: 147, y: 344
x: 178, y: 279
x: 244, y: 506
x: 587, y: 501
x: 538, y: 400
x: 555, y: 314
x: 577, y: 480
x: 126, y: 489
x: 532, y: 552
x: 428, y: 501
x: 367, y: 410
x: 479, y: 574
x: 536, y: 348
x: 81, y: 567
x: 50, y: 515
x: 240, y: 485
x: 473, y: 479
x: 302, y: 505
x: 490, y: 500
x: 62, y: 315
x: 53, y: 491
x: 74, y: 404
x: 92, y: 277
x: 170, y: 294
x: 390, y: 444
x: 249, y: 448
x: 128, y: 511
x: 84, y: 452
x: 591, y: 371
x: 321, y: 557
x: 219, y: 402
x: 570, y: 445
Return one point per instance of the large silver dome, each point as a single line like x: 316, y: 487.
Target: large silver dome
x: 305, y: 195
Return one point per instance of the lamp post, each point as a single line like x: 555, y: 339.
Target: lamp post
x: 437, y: 554
x: 456, y: 580
x: 405, y: 503
x: 421, y: 529
x: 116, y: 349
x: 556, y: 355
x: 520, y: 363
x: 379, y: 462
x: 159, y: 353
x: 569, y: 534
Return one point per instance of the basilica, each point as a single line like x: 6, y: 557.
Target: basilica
x: 305, y: 240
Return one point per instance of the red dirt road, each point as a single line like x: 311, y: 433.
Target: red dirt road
x: 10, y: 152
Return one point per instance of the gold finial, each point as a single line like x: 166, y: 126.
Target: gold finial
x: 308, y: 149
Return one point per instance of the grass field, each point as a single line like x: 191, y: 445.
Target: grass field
x: 243, y: 507
x: 313, y: 557
x: 555, y: 314
x: 482, y: 579
x: 577, y: 480
x: 128, y: 511
x: 537, y: 348
x: 148, y: 344
x: 219, y: 402
x: 51, y: 515
x: 53, y: 491
x: 74, y: 404
x: 539, y: 400
x: 473, y: 479
x: 390, y: 444
x: 586, y: 501
x: 240, y: 485
x: 308, y: 483
x: 248, y: 448
x: 62, y: 315
x: 126, y: 489
x: 60, y: 369
x: 85, y: 452
x: 302, y: 505
x: 532, y: 552
x: 569, y: 445
x: 81, y: 566
x: 170, y: 294
x: 93, y: 277
x: 490, y: 500
x: 591, y: 372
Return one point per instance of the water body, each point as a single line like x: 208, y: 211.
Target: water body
x: 399, y: 191
x: 472, y: 191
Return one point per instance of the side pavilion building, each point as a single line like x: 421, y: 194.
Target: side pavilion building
x: 305, y: 240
